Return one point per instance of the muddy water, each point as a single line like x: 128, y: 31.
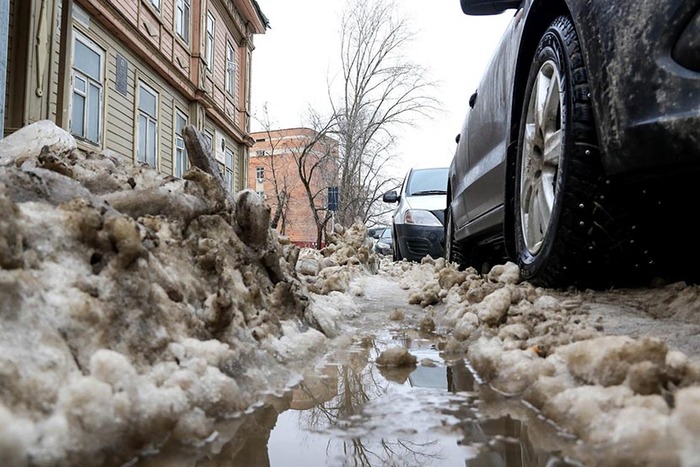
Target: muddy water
x: 351, y: 412
x: 363, y: 415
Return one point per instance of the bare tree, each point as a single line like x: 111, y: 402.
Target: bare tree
x: 317, y: 163
x: 381, y: 90
x: 279, y: 179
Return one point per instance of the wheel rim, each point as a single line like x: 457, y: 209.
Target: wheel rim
x: 541, y: 153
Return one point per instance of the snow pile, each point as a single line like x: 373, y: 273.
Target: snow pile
x: 332, y: 269
x: 137, y: 308
x: 635, y: 400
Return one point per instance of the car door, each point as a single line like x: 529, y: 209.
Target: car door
x: 488, y: 131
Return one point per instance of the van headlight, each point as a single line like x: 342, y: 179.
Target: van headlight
x: 420, y: 217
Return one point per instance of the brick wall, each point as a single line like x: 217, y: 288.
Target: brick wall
x: 275, y: 155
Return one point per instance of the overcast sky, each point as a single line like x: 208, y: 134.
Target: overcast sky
x: 296, y: 57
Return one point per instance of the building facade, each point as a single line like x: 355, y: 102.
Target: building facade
x: 128, y: 75
x: 274, y: 173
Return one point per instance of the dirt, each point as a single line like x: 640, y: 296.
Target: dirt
x: 670, y: 312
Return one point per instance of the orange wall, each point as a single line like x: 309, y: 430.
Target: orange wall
x: 282, y: 148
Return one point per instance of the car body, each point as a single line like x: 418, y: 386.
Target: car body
x: 376, y: 231
x: 418, y: 220
x: 586, y: 120
x: 383, y: 244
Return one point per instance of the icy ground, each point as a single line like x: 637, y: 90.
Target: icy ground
x: 137, y: 309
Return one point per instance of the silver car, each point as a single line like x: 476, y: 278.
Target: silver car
x: 418, y: 220
x: 580, y: 150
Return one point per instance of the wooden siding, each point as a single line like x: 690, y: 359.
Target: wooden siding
x: 240, y: 61
x: 54, y: 67
x: 9, y: 76
x: 120, y: 110
x: 149, y: 25
x: 129, y: 9
x: 150, y: 38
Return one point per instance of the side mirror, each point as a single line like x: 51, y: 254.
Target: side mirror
x: 390, y: 197
x: 472, y: 100
x: 488, y: 7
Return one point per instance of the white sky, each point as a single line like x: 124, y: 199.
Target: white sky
x: 296, y: 57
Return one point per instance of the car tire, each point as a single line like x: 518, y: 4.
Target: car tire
x: 454, y: 250
x: 560, y: 216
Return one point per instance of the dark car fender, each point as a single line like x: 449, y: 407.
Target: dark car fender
x: 640, y: 96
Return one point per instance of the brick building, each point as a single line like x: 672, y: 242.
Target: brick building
x: 273, y: 173
x: 128, y: 75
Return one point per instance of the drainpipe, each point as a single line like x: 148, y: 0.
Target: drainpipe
x: 4, y: 26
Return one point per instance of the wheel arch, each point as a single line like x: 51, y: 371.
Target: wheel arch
x: 540, y: 16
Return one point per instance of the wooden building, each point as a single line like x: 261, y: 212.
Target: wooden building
x: 128, y: 75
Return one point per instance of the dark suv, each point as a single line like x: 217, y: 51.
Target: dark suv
x: 578, y: 158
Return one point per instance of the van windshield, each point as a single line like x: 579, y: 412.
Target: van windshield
x: 425, y: 182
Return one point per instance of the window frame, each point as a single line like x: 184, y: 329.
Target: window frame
x: 180, y: 160
x: 141, y: 84
x: 210, y: 41
x: 228, y: 170
x: 182, y: 20
x: 78, y: 36
x: 209, y: 137
x: 259, y: 174
x: 156, y: 4
x: 230, y: 83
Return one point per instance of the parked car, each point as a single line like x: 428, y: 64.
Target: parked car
x: 418, y: 220
x: 383, y: 245
x: 579, y: 153
x: 376, y: 231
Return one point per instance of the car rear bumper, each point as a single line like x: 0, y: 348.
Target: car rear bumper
x: 418, y: 241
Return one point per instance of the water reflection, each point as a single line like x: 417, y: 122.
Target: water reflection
x: 352, y: 413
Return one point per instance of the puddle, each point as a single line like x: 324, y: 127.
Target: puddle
x: 352, y: 413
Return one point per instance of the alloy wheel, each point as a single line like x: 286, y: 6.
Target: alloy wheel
x: 542, y: 149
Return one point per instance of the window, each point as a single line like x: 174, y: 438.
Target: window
x: 148, y: 125
x: 260, y: 174
x: 156, y: 3
x: 229, y: 169
x: 260, y: 152
x: 209, y: 41
x: 261, y: 194
x: 88, y: 89
x: 180, y: 156
x: 182, y: 19
x: 230, y: 69
x: 208, y: 138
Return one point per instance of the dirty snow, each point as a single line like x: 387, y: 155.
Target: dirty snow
x: 137, y: 309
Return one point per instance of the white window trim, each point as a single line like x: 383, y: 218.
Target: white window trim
x: 228, y: 171
x: 177, y: 139
x: 89, y: 43
x: 230, y: 68
x: 156, y: 4
x: 210, y: 41
x: 139, y: 84
x: 182, y: 6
